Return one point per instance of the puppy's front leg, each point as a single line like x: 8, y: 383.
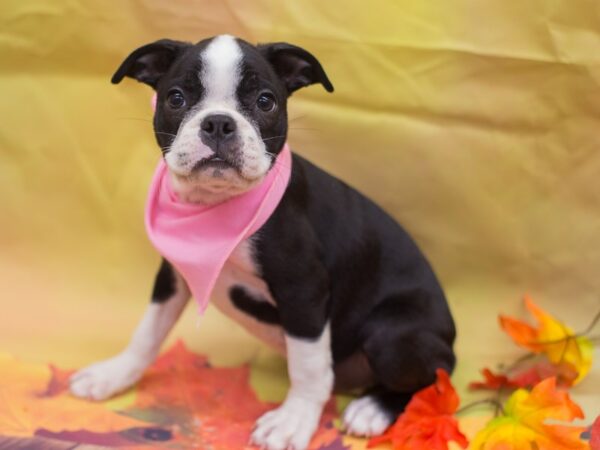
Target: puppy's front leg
x: 292, y: 425
x: 106, y: 378
x: 300, y: 287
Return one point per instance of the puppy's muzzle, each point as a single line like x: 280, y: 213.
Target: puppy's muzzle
x: 219, y: 133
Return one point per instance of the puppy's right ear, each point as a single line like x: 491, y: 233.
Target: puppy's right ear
x: 149, y: 63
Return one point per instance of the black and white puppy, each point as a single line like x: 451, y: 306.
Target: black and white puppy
x: 330, y: 280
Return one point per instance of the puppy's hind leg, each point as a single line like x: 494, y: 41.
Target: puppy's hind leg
x: 404, y: 355
x: 106, y: 378
x: 403, y: 364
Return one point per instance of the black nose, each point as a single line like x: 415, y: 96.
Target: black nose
x: 217, y: 128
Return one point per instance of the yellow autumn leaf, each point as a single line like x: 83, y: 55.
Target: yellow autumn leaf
x: 24, y: 408
x: 523, y: 426
x: 551, y: 337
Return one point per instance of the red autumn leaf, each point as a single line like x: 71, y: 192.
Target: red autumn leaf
x: 59, y: 382
x: 564, y: 373
x: 210, y: 407
x: 595, y: 439
x: 184, y: 382
x: 493, y: 381
x: 528, y: 377
x: 428, y: 421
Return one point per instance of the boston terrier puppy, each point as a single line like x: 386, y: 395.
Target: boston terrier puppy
x: 330, y: 280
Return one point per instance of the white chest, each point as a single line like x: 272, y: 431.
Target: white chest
x: 241, y: 270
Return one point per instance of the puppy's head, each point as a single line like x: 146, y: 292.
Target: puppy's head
x: 221, y: 114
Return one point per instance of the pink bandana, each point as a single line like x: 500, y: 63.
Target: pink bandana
x: 198, y: 239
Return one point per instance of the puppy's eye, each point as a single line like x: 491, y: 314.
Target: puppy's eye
x: 176, y: 99
x: 266, y: 102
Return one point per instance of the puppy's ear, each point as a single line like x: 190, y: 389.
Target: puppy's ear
x: 149, y: 63
x: 296, y: 67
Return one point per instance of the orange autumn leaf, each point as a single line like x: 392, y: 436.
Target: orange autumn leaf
x: 30, y: 402
x: 523, y: 426
x: 428, y: 422
x: 552, y: 338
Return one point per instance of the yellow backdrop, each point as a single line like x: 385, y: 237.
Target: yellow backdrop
x: 475, y: 123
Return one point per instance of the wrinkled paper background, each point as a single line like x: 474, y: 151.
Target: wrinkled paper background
x: 476, y: 124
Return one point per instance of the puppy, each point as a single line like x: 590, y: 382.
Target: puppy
x: 330, y: 279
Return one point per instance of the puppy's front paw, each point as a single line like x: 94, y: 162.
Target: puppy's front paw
x: 106, y: 378
x: 291, y: 426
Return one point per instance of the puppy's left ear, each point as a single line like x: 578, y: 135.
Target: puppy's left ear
x: 150, y: 62
x: 296, y: 67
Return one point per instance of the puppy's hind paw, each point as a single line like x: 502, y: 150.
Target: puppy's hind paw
x: 365, y: 417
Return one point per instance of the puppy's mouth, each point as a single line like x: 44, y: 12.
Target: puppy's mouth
x: 216, y: 167
x: 215, y: 162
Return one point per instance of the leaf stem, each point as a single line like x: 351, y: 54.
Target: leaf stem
x: 592, y: 325
x: 488, y: 401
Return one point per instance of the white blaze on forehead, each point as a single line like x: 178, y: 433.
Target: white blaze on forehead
x: 221, y: 71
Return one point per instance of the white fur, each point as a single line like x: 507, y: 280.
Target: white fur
x: 106, y: 378
x: 364, y: 417
x: 220, y: 77
x: 241, y: 270
x: 221, y: 73
x: 292, y: 425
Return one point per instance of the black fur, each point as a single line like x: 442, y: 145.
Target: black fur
x: 258, y: 308
x: 150, y: 62
x: 164, y: 283
x: 350, y: 264
x: 328, y: 254
x: 296, y: 67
